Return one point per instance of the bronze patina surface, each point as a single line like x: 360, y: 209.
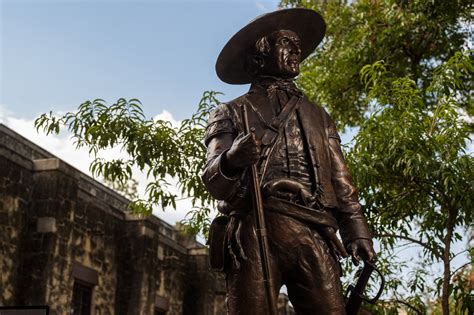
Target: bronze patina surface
x: 294, y: 148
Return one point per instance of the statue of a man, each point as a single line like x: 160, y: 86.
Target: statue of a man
x: 307, y: 189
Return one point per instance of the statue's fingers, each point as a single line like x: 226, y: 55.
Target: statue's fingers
x: 355, y: 255
x: 371, y: 255
x: 247, y: 139
x: 366, y: 251
x: 356, y: 260
x: 240, y: 136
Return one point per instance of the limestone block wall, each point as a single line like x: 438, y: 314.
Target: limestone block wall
x: 15, y: 191
x: 59, y: 226
x: 16, y: 186
x: 93, y: 243
x: 206, y: 289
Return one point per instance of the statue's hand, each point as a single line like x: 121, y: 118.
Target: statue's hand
x: 361, y: 249
x: 243, y: 152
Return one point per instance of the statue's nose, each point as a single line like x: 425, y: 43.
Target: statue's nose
x: 294, y: 49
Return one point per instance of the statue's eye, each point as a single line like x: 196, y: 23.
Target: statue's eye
x: 284, y: 41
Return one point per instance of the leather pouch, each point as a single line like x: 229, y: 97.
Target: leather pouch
x: 216, y: 241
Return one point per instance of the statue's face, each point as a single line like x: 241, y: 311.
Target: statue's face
x: 283, y: 60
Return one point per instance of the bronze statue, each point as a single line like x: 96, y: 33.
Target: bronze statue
x: 289, y: 149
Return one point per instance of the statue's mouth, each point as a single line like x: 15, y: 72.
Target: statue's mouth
x: 293, y: 64
x: 293, y: 61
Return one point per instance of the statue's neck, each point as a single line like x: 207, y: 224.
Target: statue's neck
x: 268, y: 79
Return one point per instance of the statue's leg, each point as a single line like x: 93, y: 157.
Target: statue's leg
x: 314, y: 285
x: 245, y: 286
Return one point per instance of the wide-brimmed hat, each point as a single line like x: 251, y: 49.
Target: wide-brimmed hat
x: 307, y: 24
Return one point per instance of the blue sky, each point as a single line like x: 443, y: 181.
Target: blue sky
x: 56, y: 54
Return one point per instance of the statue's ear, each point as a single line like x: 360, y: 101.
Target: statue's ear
x: 259, y: 62
x: 254, y: 64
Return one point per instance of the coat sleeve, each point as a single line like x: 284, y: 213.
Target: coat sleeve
x: 351, y: 220
x: 218, y: 138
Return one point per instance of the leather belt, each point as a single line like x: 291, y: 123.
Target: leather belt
x: 300, y: 212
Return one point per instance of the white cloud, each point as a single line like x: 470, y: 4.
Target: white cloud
x: 63, y: 147
x: 166, y: 115
x: 59, y: 145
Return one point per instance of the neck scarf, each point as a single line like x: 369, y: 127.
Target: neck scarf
x: 273, y: 84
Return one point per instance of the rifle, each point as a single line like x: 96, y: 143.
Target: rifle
x: 259, y: 217
x: 354, y: 301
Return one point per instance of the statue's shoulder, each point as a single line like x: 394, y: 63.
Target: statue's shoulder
x: 234, y: 105
x: 225, y: 118
x: 229, y: 110
x: 311, y: 107
x: 220, y: 113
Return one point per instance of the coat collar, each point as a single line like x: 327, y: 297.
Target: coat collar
x: 269, y: 84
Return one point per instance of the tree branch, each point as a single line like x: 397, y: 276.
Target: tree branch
x: 460, y: 268
x: 409, y: 306
x: 436, y: 250
x: 452, y: 215
x: 398, y: 301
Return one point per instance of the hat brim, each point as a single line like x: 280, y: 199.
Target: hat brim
x: 307, y: 24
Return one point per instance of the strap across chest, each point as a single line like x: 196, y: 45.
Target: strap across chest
x: 274, y: 128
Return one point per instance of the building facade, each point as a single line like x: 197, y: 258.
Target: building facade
x: 67, y: 241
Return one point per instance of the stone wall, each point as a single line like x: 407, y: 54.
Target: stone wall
x: 204, y: 287
x: 15, y: 191
x: 59, y: 226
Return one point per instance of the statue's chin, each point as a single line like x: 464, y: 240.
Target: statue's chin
x: 282, y: 74
x: 290, y: 74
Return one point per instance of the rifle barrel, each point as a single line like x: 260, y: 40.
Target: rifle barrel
x: 260, y: 225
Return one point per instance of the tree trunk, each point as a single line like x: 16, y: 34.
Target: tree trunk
x: 447, y: 262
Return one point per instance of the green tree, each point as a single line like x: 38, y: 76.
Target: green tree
x: 155, y: 147
x: 413, y: 37
x: 414, y: 116
x: 415, y: 176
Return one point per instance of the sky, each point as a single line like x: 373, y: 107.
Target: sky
x: 56, y: 54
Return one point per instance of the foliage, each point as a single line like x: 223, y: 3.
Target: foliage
x: 153, y: 146
x: 412, y: 37
x: 463, y: 301
x: 411, y: 164
x: 128, y: 189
